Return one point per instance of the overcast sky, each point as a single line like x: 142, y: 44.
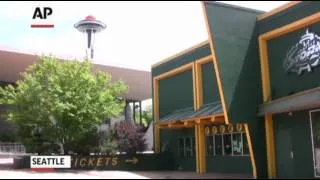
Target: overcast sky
x: 138, y: 34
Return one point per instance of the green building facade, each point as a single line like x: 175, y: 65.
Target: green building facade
x: 246, y: 101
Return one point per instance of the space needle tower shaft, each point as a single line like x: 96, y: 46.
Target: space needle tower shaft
x: 90, y: 26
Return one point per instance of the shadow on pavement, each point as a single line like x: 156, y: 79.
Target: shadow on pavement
x: 190, y: 175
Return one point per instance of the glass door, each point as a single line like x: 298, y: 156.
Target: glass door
x: 315, y: 136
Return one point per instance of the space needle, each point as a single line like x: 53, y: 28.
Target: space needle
x: 90, y: 26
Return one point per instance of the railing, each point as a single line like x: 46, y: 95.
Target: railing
x: 11, y: 148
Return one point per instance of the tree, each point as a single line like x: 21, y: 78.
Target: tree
x: 58, y: 101
x: 146, y: 116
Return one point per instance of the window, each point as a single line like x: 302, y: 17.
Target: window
x: 181, y: 147
x: 210, y: 146
x: 218, y: 145
x: 237, y: 145
x: 227, y: 144
x: 186, y: 147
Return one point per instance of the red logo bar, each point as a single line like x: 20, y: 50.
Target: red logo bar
x: 42, y: 26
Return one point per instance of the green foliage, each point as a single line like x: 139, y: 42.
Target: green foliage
x: 85, y: 143
x: 59, y: 101
x: 146, y: 116
x: 109, y: 146
x: 8, y: 136
x: 7, y: 94
x: 108, y: 143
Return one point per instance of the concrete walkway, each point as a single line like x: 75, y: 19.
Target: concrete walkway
x: 190, y: 175
x: 10, y: 174
x: 27, y: 174
x: 6, y: 172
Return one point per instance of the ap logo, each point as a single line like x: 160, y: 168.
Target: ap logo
x: 41, y: 18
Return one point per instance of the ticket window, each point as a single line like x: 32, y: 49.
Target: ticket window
x: 227, y: 144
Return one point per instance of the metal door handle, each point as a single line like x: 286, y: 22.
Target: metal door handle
x: 291, y: 154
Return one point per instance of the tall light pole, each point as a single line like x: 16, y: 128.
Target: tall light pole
x: 90, y: 26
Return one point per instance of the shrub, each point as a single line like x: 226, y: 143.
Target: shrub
x: 85, y: 143
x: 109, y: 147
x: 129, y: 137
x: 8, y: 137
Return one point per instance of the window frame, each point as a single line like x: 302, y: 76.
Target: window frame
x: 242, y: 133
x: 185, y: 150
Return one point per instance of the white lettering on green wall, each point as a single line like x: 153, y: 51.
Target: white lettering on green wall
x: 304, y: 55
